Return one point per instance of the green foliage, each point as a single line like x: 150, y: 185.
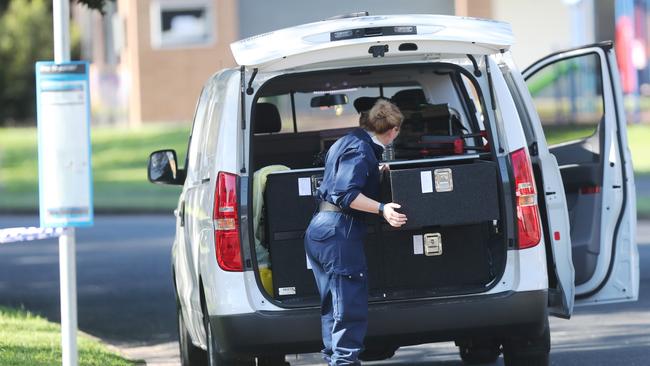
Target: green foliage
x: 25, y: 37
x: 29, y: 340
x: 94, y: 4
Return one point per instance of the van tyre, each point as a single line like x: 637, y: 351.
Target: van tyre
x: 216, y: 359
x: 272, y: 361
x: 533, y: 351
x: 377, y: 353
x: 479, y: 353
x: 190, y: 354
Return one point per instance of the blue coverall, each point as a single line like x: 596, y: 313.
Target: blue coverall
x: 334, y: 245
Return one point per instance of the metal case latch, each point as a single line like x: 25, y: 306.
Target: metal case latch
x: 432, y: 244
x: 444, y: 180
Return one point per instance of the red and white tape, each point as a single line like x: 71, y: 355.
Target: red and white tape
x: 18, y: 234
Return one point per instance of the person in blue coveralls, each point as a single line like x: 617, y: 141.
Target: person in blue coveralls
x: 334, y: 238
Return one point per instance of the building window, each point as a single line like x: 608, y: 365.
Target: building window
x: 182, y: 23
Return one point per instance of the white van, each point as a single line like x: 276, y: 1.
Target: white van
x: 564, y: 233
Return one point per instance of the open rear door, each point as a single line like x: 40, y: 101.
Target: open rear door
x: 577, y: 96
x: 551, y: 198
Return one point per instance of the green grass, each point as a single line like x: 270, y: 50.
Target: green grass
x: 638, y: 138
x: 557, y: 134
x: 643, y: 206
x: 119, y: 160
x: 29, y: 340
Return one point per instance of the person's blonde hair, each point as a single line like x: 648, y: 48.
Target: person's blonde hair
x: 383, y: 116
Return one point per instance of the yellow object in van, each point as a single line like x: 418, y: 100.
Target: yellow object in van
x: 266, y: 275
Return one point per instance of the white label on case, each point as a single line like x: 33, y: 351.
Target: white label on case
x: 426, y: 181
x: 418, y: 245
x: 284, y: 291
x: 304, y: 187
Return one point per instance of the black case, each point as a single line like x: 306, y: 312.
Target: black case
x: 473, y: 199
x: 287, y: 216
x: 465, y: 259
x: 289, y: 263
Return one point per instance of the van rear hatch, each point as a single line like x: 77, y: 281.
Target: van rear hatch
x: 445, y: 149
x: 410, y: 37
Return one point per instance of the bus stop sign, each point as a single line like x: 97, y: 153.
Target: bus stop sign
x: 64, y: 169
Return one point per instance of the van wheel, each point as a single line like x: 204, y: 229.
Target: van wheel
x: 532, y: 351
x: 190, y: 354
x: 377, y: 353
x: 216, y: 359
x: 479, y: 353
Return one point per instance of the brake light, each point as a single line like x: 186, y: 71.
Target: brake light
x: 226, y: 223
x: 526, y: 195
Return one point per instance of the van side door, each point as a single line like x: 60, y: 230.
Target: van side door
x: 578, y: 98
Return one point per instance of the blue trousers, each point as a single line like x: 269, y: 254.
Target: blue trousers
x: 334, y: 247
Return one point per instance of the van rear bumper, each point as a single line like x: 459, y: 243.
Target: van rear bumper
x: 409, y: 322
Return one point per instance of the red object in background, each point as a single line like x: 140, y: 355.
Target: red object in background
x: 590, y: 189
x: 459, y: 146
x: 486, y: 145
x: 624, y: 44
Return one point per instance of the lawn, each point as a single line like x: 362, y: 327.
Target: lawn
x: 29, y: 340
x: 119, y: 160
x: 638, y: 137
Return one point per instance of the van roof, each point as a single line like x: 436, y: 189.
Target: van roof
x: 351, y: 38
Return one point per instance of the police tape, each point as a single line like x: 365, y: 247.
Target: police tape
x: 19, y: 234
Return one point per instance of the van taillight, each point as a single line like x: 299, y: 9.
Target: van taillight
x: 526, y: 195
x: 226, y: 223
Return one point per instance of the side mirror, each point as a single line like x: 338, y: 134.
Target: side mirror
x: 163, y: 169
x: 328, y: 100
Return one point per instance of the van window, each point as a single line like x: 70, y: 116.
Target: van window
x: 310, y: 118
x: 441, y: 107
x: 568, y: 97
x: 196, y: 138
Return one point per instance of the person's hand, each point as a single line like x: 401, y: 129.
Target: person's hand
x: 393, y: 217
x: 384, y: 168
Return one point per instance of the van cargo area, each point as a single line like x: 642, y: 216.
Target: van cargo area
x: 442, y: 171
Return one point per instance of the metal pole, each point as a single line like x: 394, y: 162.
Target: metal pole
x: 67, y: 257
x: 61, y: 18
x: 68, y: 280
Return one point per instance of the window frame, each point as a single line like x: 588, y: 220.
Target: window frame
x: 156, y: 10
x: 600, y: 94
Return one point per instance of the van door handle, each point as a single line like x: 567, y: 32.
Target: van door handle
x: 181, y: 213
